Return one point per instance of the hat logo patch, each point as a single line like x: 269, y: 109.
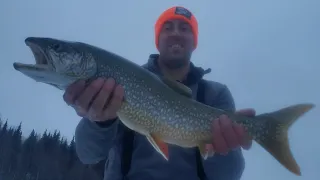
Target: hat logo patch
x: 183, y: 12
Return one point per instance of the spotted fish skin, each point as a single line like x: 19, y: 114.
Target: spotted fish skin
x: 157, y: 107
x: 151, y: 106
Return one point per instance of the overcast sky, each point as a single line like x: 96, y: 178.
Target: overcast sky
x: 267, y: 52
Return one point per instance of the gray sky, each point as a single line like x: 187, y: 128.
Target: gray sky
x: 267, y: 52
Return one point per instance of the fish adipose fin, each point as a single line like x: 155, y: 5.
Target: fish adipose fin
x: 275, y: 140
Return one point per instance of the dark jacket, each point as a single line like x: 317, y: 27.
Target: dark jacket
x: 95, y: 143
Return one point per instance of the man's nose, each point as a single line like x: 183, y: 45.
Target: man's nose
x: 175, y: 32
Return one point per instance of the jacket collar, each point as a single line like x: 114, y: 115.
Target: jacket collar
x: 194, y: 76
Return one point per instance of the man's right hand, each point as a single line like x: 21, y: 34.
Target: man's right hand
x: 99, y: 101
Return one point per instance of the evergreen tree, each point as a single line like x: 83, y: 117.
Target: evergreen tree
x: 39, y: 157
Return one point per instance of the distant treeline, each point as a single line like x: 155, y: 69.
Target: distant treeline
x: 40, y: 157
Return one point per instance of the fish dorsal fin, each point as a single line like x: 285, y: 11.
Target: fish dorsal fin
x: 178, y: 87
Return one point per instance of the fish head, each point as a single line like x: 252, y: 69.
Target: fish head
x: 58, y: 62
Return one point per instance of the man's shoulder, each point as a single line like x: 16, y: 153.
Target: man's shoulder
x: 214, y: 86
x: 218, y: 95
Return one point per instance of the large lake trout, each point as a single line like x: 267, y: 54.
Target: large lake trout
x: 159, y: 108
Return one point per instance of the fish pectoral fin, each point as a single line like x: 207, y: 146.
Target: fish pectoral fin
x: 159, y: 145
x: 276, y: 140
x: 206, y: 150
x: 178, y: 87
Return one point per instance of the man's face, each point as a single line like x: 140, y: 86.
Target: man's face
x: 176, y: 43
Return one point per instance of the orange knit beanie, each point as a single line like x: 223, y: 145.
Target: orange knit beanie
x: 177, y: 12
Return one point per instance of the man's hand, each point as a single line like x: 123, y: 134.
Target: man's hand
x: 228, y: 136
x: 98, y: 102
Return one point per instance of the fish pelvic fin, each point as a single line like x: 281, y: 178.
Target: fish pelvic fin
x: 160, y: 146
x: 276, y: 139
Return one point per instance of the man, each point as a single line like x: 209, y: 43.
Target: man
x: 102, y: 139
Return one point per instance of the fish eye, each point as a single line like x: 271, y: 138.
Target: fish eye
x: 57, y: 47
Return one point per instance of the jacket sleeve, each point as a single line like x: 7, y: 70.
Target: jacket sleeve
x: 231, y: 166
x: 93, y: 141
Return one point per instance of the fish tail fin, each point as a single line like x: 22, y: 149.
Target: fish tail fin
x: 275, y: 140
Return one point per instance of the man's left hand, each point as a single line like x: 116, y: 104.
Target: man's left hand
x: 228, y: 136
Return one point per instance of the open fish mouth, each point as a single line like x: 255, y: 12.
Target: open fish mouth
x: 40, y: 57
x: 43, y: 69
x: 42, y: 61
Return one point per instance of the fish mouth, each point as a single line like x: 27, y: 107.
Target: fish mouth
x: 42, y: 60
x: 43, y: 70
x: 40, y: 57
